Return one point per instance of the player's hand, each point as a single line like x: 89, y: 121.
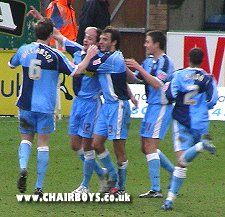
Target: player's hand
x: 35, y: 13
x: 92, y: 51
x: 131, y: 63
x: 135, y: 102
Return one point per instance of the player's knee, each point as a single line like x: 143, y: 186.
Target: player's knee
x: 121, y: 157
x: 146, y: 149
x: 143, y: 150
x: 182, y: 162
x: 80, y: 151
x: 75, y: 147
x: 99, y: 148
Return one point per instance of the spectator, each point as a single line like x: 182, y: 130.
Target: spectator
x: 63, y: 15
x: 224, y: 7
x: 94, y: 13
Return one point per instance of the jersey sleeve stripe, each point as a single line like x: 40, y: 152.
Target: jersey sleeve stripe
x: 11, y: 66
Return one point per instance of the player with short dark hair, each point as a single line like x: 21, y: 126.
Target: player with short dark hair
x: 114, y: 118
x: 194, y: 93
x: 37, y: 99
x: 156, y: 71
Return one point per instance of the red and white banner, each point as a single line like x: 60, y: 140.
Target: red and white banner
x: 212, y: 44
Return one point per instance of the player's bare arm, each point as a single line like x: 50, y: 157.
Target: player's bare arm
x: 151, y: 80
x: 91, y: 52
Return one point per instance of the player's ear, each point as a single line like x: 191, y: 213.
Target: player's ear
x: 114, y: 43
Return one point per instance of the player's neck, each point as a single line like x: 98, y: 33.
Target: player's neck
x: 43, y: 41
x: 112, y: 49
x: 158, y: 54
x: 194, y: 66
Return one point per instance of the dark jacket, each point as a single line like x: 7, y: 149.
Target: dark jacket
x: 94, y: 13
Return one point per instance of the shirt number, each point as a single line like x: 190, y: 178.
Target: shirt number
x: 35, y: 69
x: 188, y: 96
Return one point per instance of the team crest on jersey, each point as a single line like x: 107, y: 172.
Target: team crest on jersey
x: 162, y: 76
x: 97, y: 62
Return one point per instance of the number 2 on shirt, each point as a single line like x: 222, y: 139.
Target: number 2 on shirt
x: 188, y: 96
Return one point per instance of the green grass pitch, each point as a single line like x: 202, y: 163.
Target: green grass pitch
x: 203, y: 192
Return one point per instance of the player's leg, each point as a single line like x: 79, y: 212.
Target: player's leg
x: 153, y: 162
x: 42, y: 161
x: 104, y: 157
x: 179, y: 175
x: 186, y: 152
x: 188, y: 145
x: 153, y: 129
x: 27, y: 129
x: 90, y: 113
x: 73, y: 128
x: 89, y: 155
x: 200, y: 145
x: 88, y: 166
x: 101, y: 131
x: 76, y: 145
x: 120, y: 121
x: 182, y: 140
x: 45, y: 126
x: 164, y: 120
x: 165, y: 163
x: 122, y: 162
x: 81, y: 122
x: 149, y: 147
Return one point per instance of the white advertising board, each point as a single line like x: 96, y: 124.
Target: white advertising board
x: 217, y: 113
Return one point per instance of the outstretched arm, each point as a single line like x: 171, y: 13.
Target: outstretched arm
x: 151, y: 80
x: 37, y: 15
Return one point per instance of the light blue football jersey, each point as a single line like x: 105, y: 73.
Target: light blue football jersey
x: 111, y: 71
x: 41, y: 66
x: 87, y: 85
x: 162, y: 69
x: 194, y: 92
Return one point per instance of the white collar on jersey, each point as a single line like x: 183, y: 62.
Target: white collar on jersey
x: 195, y: 68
